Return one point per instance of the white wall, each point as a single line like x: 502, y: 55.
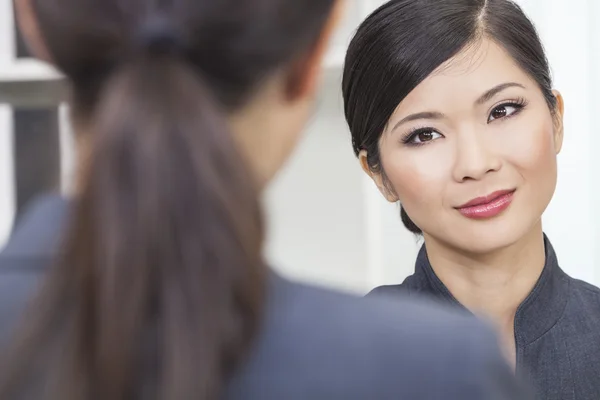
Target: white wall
x: 315, y: 208
x: 7, y: 46
x: 594, y: 102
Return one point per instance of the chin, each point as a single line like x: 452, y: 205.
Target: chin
x: 481, y: 237
x: 480, y: 245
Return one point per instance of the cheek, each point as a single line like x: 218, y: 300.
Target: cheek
x: 418, y: 176
x: 533, y: 154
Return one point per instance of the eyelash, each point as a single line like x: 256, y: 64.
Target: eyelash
x: 409, y: 137
x: 518, y: 103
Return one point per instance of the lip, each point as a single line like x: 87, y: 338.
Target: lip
x: 487, y: 206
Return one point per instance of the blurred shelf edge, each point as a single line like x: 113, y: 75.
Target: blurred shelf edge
x: 27, y: 69
x: 31, y: 83
x: 33, y: 94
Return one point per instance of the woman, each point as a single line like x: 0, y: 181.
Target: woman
x: 185, y: 110
x: 452, y: 114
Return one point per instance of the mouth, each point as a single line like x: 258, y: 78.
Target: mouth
x: 487, y: 206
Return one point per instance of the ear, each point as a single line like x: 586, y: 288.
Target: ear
x: 29, y: 27
x: 377, y: 177
x: 558, y: 121
x: 304, y: 74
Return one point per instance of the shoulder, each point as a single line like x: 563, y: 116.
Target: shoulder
x: 316, y: 342
x: 410, y: 286
x: 585, y: 288
x: 385, y: 317
x: 386, y: 290
x: 585, y: 295
x: 28, y: 254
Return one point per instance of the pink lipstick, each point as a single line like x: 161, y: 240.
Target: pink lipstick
x: 487, y: 206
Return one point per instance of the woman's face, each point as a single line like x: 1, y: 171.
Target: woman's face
x: 471, y: 152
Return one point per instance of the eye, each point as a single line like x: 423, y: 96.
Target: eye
x: 422, y: 136
x: 504, y: 110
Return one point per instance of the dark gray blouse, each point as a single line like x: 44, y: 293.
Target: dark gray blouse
x: 557, y: 328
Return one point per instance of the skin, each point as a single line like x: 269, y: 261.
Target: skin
x: 268, y: 128
x: 475, y: 149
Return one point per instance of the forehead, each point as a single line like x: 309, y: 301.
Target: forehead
x: 463, y: 78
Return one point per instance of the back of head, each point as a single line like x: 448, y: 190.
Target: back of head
x: 405, y: 41
x: 164, y: 246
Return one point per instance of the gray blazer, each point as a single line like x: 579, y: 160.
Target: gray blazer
x: 557, y: 328
x: 315, y: 344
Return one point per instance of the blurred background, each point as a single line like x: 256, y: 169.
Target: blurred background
x: 327, y: 222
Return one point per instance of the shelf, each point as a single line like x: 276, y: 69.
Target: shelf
x: 35, y: 84
x: 33, y: 93
x: 28, y: 70
x: 30, y: 83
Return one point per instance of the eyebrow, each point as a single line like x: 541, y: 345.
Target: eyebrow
x: 495, y: 90
x: 438, y: 115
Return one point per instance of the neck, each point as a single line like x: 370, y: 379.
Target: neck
x: 492, y: 284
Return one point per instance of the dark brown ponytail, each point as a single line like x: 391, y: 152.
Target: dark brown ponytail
x: 160, y: 286
x: 176, y: 230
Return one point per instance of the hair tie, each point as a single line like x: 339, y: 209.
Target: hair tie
x: 158, y: 35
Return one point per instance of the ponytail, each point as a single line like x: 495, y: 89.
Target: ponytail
x: 163, y: 255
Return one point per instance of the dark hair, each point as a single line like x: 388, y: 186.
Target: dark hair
x: 162, y: 262
x: 404, y: 41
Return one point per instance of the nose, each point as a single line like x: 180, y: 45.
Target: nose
x: 474, y: 158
